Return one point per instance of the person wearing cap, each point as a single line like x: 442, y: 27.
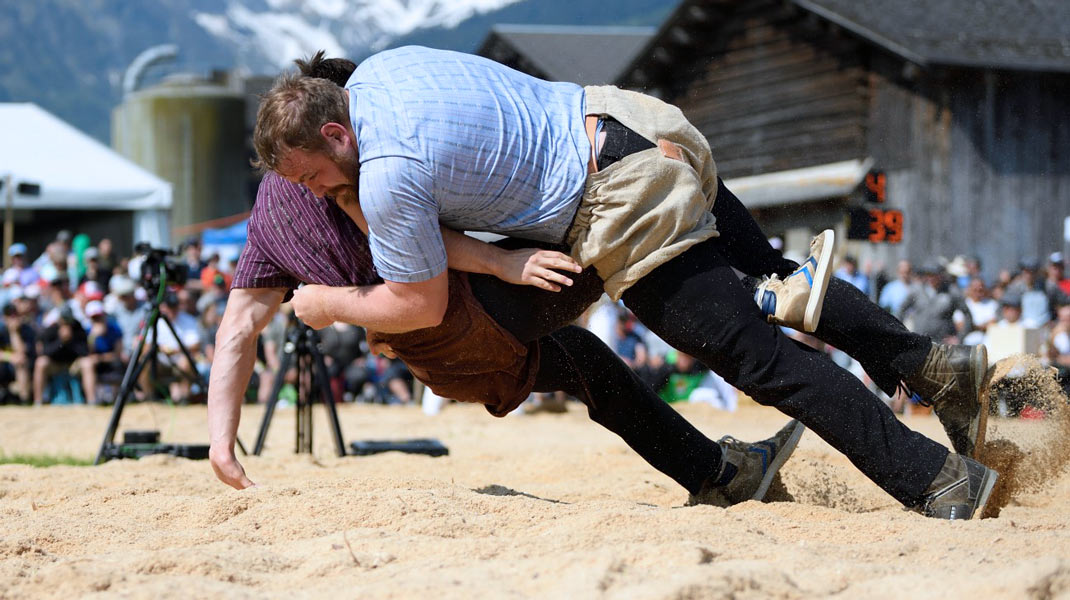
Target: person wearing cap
x: 128, y: 311
x: 169, y: 352
x: 1056, y: 285
x: 93, y: 272
x: 104, y: 341
x: 20, y: 273
x: 61, y: 346
x: 937, y: 309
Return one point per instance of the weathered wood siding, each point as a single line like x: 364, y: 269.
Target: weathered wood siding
x: 979, y: 160
x: 773, y: 91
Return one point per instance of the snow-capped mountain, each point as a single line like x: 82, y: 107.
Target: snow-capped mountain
x: 277, y: 31
x: 69, y: 55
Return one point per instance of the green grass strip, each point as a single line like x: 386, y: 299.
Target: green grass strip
x: 43, y: 460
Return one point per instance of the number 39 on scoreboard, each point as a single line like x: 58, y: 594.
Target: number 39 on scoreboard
x: 876, y: 225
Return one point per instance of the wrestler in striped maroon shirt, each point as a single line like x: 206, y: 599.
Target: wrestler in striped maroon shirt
x: 292, y: 239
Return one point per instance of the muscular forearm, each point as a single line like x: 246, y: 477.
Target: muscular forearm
x: 389, y: 308
x: 466, y: 253
x: 246, y: 315
x: 233, y: 365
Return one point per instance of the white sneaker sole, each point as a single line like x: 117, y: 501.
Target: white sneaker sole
x: 779, y: 460
x: 821, y: 282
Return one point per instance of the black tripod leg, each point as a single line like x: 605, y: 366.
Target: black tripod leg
x: 194, y: 375
x: 320, y: 372
x: 133, y: 370
x: 285, y: 356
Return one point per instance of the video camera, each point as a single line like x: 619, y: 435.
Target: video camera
x: 160, y: 261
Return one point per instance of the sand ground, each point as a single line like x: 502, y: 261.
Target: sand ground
x: 532, y: 506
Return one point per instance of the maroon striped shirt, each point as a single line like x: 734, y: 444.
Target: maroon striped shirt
x: 295, y: 237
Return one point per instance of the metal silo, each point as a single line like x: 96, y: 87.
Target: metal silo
x: 190, y: 132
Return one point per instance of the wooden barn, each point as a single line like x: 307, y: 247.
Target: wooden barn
x: 955, y: 113
x: 587, y: 55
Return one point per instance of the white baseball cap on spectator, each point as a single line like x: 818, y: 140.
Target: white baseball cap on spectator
x: 1056, y: 258
x: 90, y: 253
x: 121, y: 285
x: 16, y: 249
x: 32, y: 291
x: 94, y: 308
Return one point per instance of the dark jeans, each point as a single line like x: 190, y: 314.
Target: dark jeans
x: 887, y: 350
x: 697, y: 304
x: 575, y: 361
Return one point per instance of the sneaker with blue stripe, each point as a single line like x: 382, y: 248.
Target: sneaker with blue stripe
x: 747, y: 469
x: 796, y: 300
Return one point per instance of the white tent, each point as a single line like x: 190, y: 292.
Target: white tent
x: 76, y: 172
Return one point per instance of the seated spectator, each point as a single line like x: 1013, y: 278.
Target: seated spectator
x: 129, y: 312
x: 216, y: 294
x: 17, y: 354
x: 191, y: 256
x: 895, y: 292
x: 984, y: 311
x: 1036, y: 308
x: 60, y: 346
x: 686, y: 375
x: 1056, y: 285
x: 93, y: 271
x: 59, y: 298
x: 106, y: 260
x: 1058, y: 345
x: 169, y: 350
x: 1010, y: 307
x: 937, y: 309
x: 849, y: 272
x: 104, y: 340
x: 627, y: 339
x: 20, y: 274
x: 210, y: 270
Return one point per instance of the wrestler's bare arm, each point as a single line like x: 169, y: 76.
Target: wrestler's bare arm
x: 248, y: 311
x: 524, y: 266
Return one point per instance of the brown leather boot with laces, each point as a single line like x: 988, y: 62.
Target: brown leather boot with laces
x: 951, y: 380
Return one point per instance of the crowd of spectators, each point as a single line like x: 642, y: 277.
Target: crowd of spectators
x: 75, y: 314
x: 1025, y: 309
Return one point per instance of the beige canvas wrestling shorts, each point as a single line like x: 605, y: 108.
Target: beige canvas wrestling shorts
x: 646, y: 208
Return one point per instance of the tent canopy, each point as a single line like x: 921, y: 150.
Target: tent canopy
x: 75, y: 171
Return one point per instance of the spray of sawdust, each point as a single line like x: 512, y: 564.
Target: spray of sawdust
x: 1030, y: 446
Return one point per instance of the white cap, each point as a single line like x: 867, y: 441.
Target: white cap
x: 94, y: 308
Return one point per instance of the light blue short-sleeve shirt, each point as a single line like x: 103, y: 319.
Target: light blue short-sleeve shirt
x: 462, y: 140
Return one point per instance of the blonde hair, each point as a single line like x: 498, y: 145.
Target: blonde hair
x: 291, y: 115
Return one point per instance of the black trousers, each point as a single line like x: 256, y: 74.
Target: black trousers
x: 698, y: 305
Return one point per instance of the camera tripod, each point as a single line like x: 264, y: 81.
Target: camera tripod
x: 301, y: 350
x: 141, y: 358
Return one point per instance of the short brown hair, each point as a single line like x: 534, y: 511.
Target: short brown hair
x: 337, y: 70
x: 291, y: 115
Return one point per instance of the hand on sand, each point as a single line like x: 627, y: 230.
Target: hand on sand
x: 228, y: 469
x: 531, y: 266
x: 310, y: 307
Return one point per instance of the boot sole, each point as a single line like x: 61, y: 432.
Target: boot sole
x: 979, y: 374
x: 820, y: 285
x: 987, y: 485
x: 779, y: 460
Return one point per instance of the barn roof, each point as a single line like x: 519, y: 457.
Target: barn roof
x: 1031, y: 35
x: 583, y: 55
